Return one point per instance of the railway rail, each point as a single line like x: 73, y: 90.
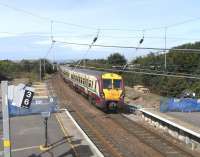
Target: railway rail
x: 113, y: 134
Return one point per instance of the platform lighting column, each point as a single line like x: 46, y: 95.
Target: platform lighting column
x: 6, y: 121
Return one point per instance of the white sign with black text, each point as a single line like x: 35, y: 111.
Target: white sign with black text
x: 20, y: 96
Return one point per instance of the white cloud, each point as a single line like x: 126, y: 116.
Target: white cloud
x: 43, y: 42
x: 6, y: 35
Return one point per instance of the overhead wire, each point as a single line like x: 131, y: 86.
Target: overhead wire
x: 136, y: 49
x: 160, y: 71
x: 115, y: 29
x: 95, y: 28
x: 132, y: 47
x: 148, y: 73
x: 43, y: 17
x: 64, y: 34
x: 89, y: 47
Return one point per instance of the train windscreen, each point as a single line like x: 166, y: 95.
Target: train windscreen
x: 107, y: 83
x: 117, y: 83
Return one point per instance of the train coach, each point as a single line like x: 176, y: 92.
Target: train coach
x: 105, y: 90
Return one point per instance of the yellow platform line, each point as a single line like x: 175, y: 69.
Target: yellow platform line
x: 24, y: 148
x: 66, y: 134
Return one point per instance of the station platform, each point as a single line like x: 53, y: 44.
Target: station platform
x: 27, y: 130
x: 65, y: 138
x: 183, y: 126
x: 187, y: 121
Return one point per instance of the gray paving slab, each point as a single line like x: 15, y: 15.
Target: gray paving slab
x: 27, y: 134
x: 189, y: 117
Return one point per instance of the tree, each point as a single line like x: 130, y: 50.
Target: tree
x: 116, y: 59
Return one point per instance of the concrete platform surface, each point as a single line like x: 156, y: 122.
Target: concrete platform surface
x: 87, y: 148
x: 27, y: 135
x: 188, y: 120
x: 192, y: 118
x: 64, y: 137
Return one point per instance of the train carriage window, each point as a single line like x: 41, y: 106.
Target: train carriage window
x: 95, y: 86
x: 90, y: 83
x: 117, y: 83
x: 86, y: 82
x: 83, y: 81
x: 107, y: 83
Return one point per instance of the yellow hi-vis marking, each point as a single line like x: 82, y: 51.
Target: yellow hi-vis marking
x: 66, y: 134
x: 6, y: 143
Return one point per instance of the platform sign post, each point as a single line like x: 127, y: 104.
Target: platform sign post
x: 6, y: 121
x: 45, y: 115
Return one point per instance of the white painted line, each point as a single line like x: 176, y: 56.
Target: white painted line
x: 171, y: 123
x: 84, y: 134
x: 25, y: 148
x: 20, y: 149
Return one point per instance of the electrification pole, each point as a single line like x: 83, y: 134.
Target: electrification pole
x: 165, y: 48
x: 44, y: 64
x: 40, y: 71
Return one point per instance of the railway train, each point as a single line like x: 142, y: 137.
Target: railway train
x: 103, y: 89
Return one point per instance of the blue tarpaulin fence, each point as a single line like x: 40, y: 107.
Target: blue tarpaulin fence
x: 180, y: 105
x: 37, y: 106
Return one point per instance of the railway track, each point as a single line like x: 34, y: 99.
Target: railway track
x: 161, y: 144
x: 114, y: 134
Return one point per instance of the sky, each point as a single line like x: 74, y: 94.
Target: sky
x: 25, y: 29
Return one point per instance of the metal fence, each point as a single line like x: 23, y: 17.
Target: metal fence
x: 37, y: 106
x: 180, y: 105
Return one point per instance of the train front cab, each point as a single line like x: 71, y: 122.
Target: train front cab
x: 112, y: 90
